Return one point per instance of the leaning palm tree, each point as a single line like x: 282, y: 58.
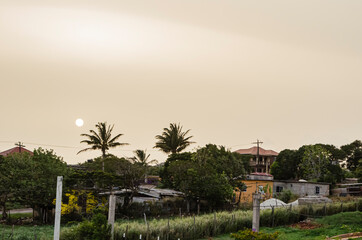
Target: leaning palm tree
x: 173, y: 140
x: 101, y: 140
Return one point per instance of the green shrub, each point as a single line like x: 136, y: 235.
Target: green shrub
x: 284, y: 196
x: 248, y: 234
x: 96, y: 229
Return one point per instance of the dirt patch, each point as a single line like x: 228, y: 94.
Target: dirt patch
x: 306, y: 224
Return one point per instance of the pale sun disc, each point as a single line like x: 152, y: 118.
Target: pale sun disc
x: 79, y: 122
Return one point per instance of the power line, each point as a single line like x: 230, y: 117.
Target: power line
x: 69, y: 147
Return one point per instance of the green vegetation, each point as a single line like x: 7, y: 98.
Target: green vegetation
x: 311, y: 162
x: 248, y: 234
x: 27, y: 232
x: 173, y: 140
x: 102, y: 139
x: 210, y: 174
x: 337, y: 224
x: 226, y: 222
x: 286, y: 196
x: 31, y: 180
x: 96, y: 229
x: 15, y: 216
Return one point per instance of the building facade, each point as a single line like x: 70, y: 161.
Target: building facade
x: 261, y: 159
x: 255, y: 182
x: 301, y: 188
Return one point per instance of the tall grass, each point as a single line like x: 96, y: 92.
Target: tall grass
x: 208, y: 225
x: 225, y: 222
x: 26, y: 232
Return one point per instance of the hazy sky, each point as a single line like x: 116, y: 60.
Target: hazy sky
x: 286, y: 72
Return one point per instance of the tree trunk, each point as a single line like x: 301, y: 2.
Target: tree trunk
x: 4, y: 214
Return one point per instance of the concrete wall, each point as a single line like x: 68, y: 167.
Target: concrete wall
x: 252, y: 185
x: 302, y: 188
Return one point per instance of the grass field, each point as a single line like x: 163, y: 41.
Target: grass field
x: 330, y: 226
x: 26, y: 232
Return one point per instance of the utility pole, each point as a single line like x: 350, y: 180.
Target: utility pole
x: 20, y: 145
x: 257, y: 150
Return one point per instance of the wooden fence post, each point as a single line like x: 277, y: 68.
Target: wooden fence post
x: 35, y: 236
x: 272, y: 216
x: 125, y: 236
x: 168, y: 228
x: 214, y: 224
x: 342, y: 207
x: 194, y: 227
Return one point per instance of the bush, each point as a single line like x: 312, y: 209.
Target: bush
x: 247, y: 234
x: 96, y: 229
x: 284, y: 196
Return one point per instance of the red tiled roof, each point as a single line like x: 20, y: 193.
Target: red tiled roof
x: 254, y: 150
x: 15, y: 150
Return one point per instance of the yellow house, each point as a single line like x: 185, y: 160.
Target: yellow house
x: 261, y: 182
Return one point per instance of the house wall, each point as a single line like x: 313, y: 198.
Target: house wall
x: 302, y: 188
x: 251, y: 185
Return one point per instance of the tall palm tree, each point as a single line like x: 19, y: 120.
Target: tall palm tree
x: 173, y: 140
x: 101, y: 140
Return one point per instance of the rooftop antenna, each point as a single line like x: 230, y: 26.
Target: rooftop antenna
x: 257, y: 152
x: 20, y: 145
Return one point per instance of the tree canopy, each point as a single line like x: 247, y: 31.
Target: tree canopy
x: 208, y: 174
x: 31, y: 179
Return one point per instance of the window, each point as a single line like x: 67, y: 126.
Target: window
x: 317, y: 190
x: 279, y: 189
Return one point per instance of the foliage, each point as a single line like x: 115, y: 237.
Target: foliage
x: 211, y: 173
x: 359, y: 171
x: 284, y: 196
x: 248, y: 234
x: 314, y: 162
x: 222, y: 160
x: 196, y: 227
x: 353, y: 153
x: 333, y: 225
x: 319, y: 162
x: 31, y: 179
x: 102, y: 139
x: 27, y: 232
x: 141, y: 157
x: 96, y: 229
x: 285, y: 166
x: 173, y: 139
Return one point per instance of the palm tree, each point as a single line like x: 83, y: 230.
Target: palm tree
x: 173, y: 140
x: 142, y: 157
x: 101, y: 140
